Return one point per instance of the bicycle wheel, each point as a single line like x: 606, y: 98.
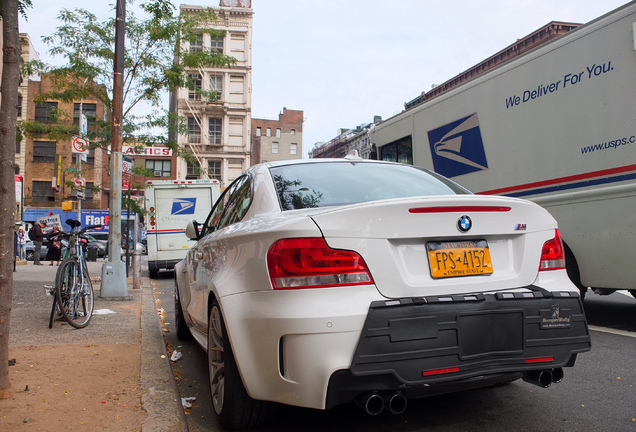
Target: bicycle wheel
x: 75, y: 300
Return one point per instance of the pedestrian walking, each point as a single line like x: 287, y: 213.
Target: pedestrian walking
x: 22, y: 240
x: 55, y: 246
x: 37, y: 240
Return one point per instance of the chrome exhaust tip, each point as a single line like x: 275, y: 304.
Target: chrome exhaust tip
x: 542, y: 378
x: 557, y: 375
x: 396, y: 403
x: 372, y: 404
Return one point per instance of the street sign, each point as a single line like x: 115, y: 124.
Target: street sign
x: 80, y: 194
x: 79, y: 183
x: 80, y: 145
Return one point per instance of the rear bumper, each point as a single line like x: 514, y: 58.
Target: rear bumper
x: 436, y: 345
x: 321, y: 348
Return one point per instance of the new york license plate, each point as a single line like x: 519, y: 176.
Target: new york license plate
x: 460, y: 258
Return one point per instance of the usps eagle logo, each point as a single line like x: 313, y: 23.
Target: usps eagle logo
x: 183, y: 206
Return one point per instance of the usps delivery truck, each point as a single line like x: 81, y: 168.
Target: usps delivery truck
x: 556, y: 125
x: 171, y: 204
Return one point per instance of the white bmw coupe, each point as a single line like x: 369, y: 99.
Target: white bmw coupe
x: 329, y: 281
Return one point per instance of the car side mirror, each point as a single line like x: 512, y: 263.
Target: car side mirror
x: 192, y: 230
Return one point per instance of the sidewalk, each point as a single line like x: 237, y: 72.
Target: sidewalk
x: 112, y: 375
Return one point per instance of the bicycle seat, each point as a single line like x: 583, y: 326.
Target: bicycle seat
x: 73, y: 223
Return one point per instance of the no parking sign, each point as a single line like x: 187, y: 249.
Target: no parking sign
x: 80, y: 145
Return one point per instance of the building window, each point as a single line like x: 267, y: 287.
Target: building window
x: 274, y: 147
x: 269, y: 132
x: 194, y: 131
x: 46, y: 112
x: 193, y: 171
x: 160, y: 168
x: 42, y: 191
x: 43, y: 151
x: 197, y: 44
x: 293, y: 132
x: 277, y: 132
x: 214, y: 169
x: 216, y: 86
x: 19, y: 105
x: 216, y: 44
x: 293, y: 149
x: 90, y: 111
x: 258, y: 131
x: 215, y: 130
x: 195, y: 87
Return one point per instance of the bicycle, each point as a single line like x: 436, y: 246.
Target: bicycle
x: 73, y: 289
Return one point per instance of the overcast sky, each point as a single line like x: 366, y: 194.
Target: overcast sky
x: 344, y: 61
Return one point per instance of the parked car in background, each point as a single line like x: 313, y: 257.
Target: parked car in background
x: 30, y: 250
x: 322, y: 282
x: 91, y: 243
x: 102, y: 237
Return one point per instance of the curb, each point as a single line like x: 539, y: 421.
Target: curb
x: 161, y: 399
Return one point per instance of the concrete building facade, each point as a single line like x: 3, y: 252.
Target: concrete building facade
x: 274, y: 140
x: 218, y: 132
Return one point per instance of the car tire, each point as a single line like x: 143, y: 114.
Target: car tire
x: 633, y: 293
x: 233, y: 406
x: 183, y: 332
x: 29, y: 256
x: 152, y: 273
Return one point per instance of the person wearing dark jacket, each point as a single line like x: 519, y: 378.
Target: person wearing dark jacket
x: 37, y: 241
x: 55, y: 246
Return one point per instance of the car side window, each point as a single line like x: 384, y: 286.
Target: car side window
x: 231, y: 206
x: 239, y: 202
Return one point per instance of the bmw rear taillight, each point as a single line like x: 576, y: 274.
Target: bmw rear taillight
x: 310, y: 263
x: 553, y: 255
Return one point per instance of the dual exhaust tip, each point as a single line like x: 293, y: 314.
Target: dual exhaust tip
x: 395, y: 403
x: 544, y: 378
x: 374, y: 403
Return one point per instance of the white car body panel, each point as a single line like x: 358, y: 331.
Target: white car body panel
x: 288, y: 343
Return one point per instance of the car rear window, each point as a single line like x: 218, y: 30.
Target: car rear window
x: 342, y: 183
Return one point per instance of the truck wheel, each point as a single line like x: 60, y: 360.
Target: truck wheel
x: 574, y: 274
x: 153, y: 273
x: 633, y: 293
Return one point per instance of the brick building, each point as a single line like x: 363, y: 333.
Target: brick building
x: 281, y: 139
x: 47, y: 161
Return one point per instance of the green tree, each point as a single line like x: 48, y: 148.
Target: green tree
x: 8, y: 118
x: 87, y: 46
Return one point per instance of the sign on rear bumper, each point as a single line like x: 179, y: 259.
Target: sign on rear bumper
x: 440, y: 339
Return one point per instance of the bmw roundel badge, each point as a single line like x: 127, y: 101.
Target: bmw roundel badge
x: 464, y: 223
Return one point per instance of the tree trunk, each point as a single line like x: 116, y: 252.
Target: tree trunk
x: 8, y: 120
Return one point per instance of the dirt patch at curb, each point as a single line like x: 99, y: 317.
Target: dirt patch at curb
x: 93, y: 387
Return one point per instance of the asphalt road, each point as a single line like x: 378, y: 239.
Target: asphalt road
x: 598, y: 394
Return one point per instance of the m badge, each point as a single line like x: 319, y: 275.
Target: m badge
x: 457, y: 147
x: 183, y: 206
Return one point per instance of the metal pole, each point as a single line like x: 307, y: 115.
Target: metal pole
x: 114, y: 283
x: 81, y: 127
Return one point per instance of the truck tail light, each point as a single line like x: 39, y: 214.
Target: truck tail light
x: 552, y: 255
x: 310, y: 263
